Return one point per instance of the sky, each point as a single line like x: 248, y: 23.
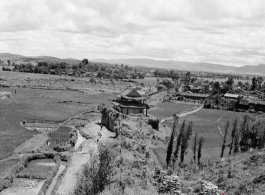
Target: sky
x: 230, y: 32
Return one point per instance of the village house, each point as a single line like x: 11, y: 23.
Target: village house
x: 195, y: 96
x: 231, y: 96
x: 130, y: 101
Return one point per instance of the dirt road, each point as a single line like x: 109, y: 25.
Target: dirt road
x: 82, y: 156
x: 80, y: 140
x: 72, y: 174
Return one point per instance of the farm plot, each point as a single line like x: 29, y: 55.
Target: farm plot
x: 37, y: 104
x: 38, y: 169
x: 60, y: 139
x: 166, y: 109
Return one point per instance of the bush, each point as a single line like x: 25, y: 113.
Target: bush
x: 97, y: 174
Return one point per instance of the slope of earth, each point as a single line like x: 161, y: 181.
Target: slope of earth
x: 242, y: 173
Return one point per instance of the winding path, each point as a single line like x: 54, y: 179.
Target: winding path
x: 217, y: 124
x: 183, y: 114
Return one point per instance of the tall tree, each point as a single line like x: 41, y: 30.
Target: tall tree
x: 85, y: 61
x: 200, y: 144
x: 244, y: 131
x: 185, y: 141
x: 179, y: 140
x: 195, y: 146
x: 233, y: 135
x: 254, y: 83
x: 171, y: 140
x: 224, y: 139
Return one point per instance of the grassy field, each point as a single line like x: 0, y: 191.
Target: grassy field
x: 38, y: 169
x: 6, y: 166
x: 61, y: 133
x: 39, y: 104
x: 206, y: 122
x: 166, y: 109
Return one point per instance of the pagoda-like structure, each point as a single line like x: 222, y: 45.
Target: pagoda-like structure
x: 130, y: 101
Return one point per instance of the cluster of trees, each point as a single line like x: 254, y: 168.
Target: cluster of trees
x: 226, y: 86
x: 257, y: 84
x: 167, y: 74
x: 97, y: 174
x: 42, y: 68
x: 244, y: 135
x: 179, y: 142
x: 6, y: 68
x: 103, y: 71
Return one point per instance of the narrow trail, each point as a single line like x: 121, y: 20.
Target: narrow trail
x: 217, y: 124
x: 220, y: 131
x: 221, y: 117
x: 80, y: 158
x: 54, y: 180
x: 80, y: 140
x: 183, y: 114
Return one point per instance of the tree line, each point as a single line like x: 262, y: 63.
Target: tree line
x: 179, y: 142
x: 249, y: 133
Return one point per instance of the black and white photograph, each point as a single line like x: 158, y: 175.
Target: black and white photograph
x: 132, y: 97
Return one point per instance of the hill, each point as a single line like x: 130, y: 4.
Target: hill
x: 196, y: 66
x: 49, y: 59
x: 151, y: 63
x: 10, y: 56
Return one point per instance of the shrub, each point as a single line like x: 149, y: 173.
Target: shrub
x: 97, y: 174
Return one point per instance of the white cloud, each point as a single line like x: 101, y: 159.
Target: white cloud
x: 221, y: 31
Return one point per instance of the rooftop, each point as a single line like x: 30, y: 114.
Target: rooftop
x: 229, y: 95
x: 129, y: 104
x: 196, y: 94
x: 131, y: 94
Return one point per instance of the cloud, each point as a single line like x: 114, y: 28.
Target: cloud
x: 221, y: 31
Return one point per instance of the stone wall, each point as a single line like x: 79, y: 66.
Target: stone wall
x: 111, y: 118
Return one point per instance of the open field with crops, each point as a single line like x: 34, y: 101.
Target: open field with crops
x: 38, y: 104
x: 38, y: 169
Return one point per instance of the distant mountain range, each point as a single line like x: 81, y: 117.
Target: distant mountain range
x: 195, y: 66
x: 150, y: 63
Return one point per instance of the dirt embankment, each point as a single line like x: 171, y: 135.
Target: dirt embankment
x: 110, y: 118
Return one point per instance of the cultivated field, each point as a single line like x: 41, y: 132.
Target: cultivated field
x: 166, y: 109
x: 38, y: 169
x: 209, y: 123
x: 39, y: 104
